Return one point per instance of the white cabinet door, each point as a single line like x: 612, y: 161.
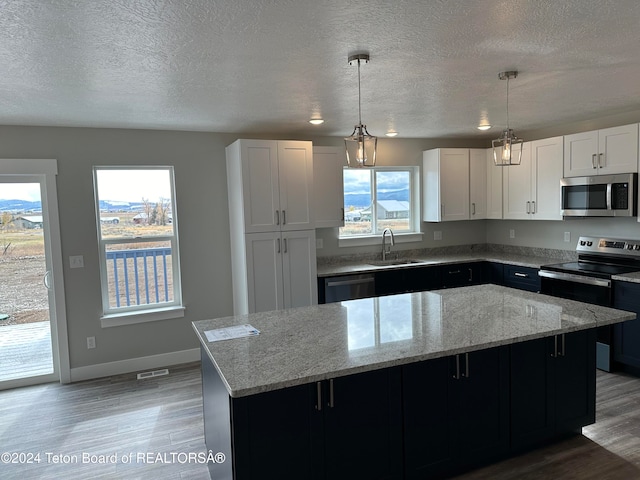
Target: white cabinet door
x: 264, y: 272
x: 618, y: 150
x: 300, y: 284
x: 546, y: 164
x: 494, y: 186
x: 446, y: 184
x: 295, y: 174
x: 477, y: 184
x: 580, y: 154
x: 328, y: 185
x: 261, y: 194
x: 516, y: 191
x: 602, y: 152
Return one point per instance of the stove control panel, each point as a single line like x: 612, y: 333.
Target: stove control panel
x: 610, y: 246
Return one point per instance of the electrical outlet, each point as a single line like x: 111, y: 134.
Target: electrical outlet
x: 319, y: 243
x: 91, y: 342
x: 437, y: 235
x: 76, y: 261
x: 512, y: 233
x: 567, y: 236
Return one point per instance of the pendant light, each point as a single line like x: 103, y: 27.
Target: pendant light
x: 361, y: 147
x: 507, y: 150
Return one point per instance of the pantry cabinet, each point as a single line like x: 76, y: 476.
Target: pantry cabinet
x: 531, y: 190
x: 271, y: 220
x: 454, y: 181
x: 601, y: 152
x: 328, y: 166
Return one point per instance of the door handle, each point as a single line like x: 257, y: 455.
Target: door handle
x: 342, y: 213
x: 285, y: 245
x: 277, y: 217
x: 593, y: 161
x: 600, y: 165
x: 45, y: 279
x: 278, y: 245
x: 284, y: 217
x: 533, y: 207
x: 528, y: 207
x: 473, y: 208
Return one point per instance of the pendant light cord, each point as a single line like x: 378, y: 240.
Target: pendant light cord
x: 507, y: 103
x: 359, y: 101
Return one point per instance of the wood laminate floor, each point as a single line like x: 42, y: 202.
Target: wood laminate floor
x: 163, y: 415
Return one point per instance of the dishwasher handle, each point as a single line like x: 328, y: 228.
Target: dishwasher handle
x: 357, y: 281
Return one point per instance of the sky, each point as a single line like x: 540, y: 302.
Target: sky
x: 133, y: 185
x: 20, y: 191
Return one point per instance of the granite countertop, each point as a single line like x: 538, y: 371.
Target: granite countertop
x: 633, y: 277
x: 309, y: 344
x: 361, y: 266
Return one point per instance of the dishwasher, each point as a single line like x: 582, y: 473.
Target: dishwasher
x: 349, y: 287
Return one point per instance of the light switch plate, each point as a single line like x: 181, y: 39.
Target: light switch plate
x: 512, y: 233
x: 567, y: 236
x: 319, y: 243
x: 437, y: 235
x: 76, y: 261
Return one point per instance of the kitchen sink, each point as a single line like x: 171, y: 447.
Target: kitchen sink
x: 396, y: 261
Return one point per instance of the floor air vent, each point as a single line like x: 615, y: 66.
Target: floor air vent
x: 155, y: 373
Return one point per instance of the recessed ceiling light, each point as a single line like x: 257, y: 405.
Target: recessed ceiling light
x: 391, y: 134
x: 316, y: 121
x: 484, y: 127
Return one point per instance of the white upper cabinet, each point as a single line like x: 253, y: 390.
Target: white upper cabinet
x: 531, y: 190
x: 328, y: 166
x: 601, y: 152
x: 477, y: 184
x: 494, y: 186
x: 276, y: 181
x: 446, y: 184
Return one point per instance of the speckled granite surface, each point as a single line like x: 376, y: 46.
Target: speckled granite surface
x: 521, y: 256
x: 628, y: 277
x: 310, y: 344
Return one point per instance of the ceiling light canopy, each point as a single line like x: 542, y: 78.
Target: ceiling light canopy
x: 507, y: 150
x: 361, y: 147
x: 316, y: 121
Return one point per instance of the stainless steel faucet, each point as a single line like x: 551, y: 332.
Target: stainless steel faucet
x: 386, y: 249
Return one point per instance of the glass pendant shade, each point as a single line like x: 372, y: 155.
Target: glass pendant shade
x: 507, y: 150
x: 361, y: 148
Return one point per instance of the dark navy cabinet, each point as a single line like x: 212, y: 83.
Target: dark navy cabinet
x: 456, y: 412
x: 523, y: 278
x: 552, y: 387
x: 461, y: 274
x: 626, y: 335
x: 403, y: 280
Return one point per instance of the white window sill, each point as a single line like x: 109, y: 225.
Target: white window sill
x: 141, y: 316
x: 377, y: 239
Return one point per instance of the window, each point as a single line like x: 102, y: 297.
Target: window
x: 379, y: 198
x: 138, y: 241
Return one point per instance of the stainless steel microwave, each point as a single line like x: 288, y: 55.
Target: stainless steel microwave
x: 600, y: 196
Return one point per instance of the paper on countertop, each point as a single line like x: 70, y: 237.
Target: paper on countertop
x: 227, y: 333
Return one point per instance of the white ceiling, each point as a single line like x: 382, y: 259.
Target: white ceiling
x: 268, y: 66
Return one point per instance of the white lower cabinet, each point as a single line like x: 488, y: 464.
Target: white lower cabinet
x: 531, y: 190
x: 280, y: 271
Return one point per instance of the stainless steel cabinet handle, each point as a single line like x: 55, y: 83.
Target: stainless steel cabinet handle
x: 533, y: 207
x: 277, y: 217
x: 278, y: 245
x: 457, y: 375
x: 528, y: 207
x: 442, y: 209
x: 284, y: 217
x: 523, y: 275
x: 555, y: 346
x: 600, y: 165
x: 357, y: 281
x: 562, y: 347
x: 331, y: 402
x: 593, y: 161
x: 473, y: 208
x: 454, y: 272
x: 319, y: 396
x: 285, y: 245
x: 342, y: 213
x: 466, y: 365
x: 471, y: 274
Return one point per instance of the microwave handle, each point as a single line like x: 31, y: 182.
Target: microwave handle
x: 609, y: 202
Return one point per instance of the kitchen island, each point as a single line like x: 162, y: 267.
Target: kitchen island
x: 403, y: 386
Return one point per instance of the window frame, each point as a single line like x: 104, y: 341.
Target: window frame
x: 132, y: 314
x: 415, y: 234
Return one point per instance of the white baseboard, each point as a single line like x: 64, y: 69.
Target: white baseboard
x: 134, y: 365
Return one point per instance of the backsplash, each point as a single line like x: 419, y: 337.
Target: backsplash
x: 564, y: 255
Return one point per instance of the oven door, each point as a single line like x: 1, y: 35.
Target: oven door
x: 588, y: 290
x: 576, y: 287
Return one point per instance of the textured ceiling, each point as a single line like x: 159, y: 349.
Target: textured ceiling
x: 270, y: 65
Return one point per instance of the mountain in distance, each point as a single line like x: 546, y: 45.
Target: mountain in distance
x: 361, y: 200
x: 17, y: 206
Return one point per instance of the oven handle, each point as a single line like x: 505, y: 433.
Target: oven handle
x: 600, y: 282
